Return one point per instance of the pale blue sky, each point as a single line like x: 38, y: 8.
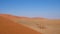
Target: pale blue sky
x: 31, y: 8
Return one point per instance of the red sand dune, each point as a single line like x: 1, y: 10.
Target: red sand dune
x: 9, y: 27
x: 8, y: 16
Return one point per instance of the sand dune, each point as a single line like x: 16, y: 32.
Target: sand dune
x: 10, y: 27
x: 41, y: 25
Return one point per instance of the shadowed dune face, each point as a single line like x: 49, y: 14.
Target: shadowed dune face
x: 9, y: 27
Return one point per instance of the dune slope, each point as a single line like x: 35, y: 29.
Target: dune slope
x: 9, y: 27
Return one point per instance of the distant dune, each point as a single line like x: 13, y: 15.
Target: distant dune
x: 35, y: 25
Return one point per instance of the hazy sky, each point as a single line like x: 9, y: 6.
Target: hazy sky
x: 31, y: 8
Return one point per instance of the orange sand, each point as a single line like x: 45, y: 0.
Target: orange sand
x: 9, y: 27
